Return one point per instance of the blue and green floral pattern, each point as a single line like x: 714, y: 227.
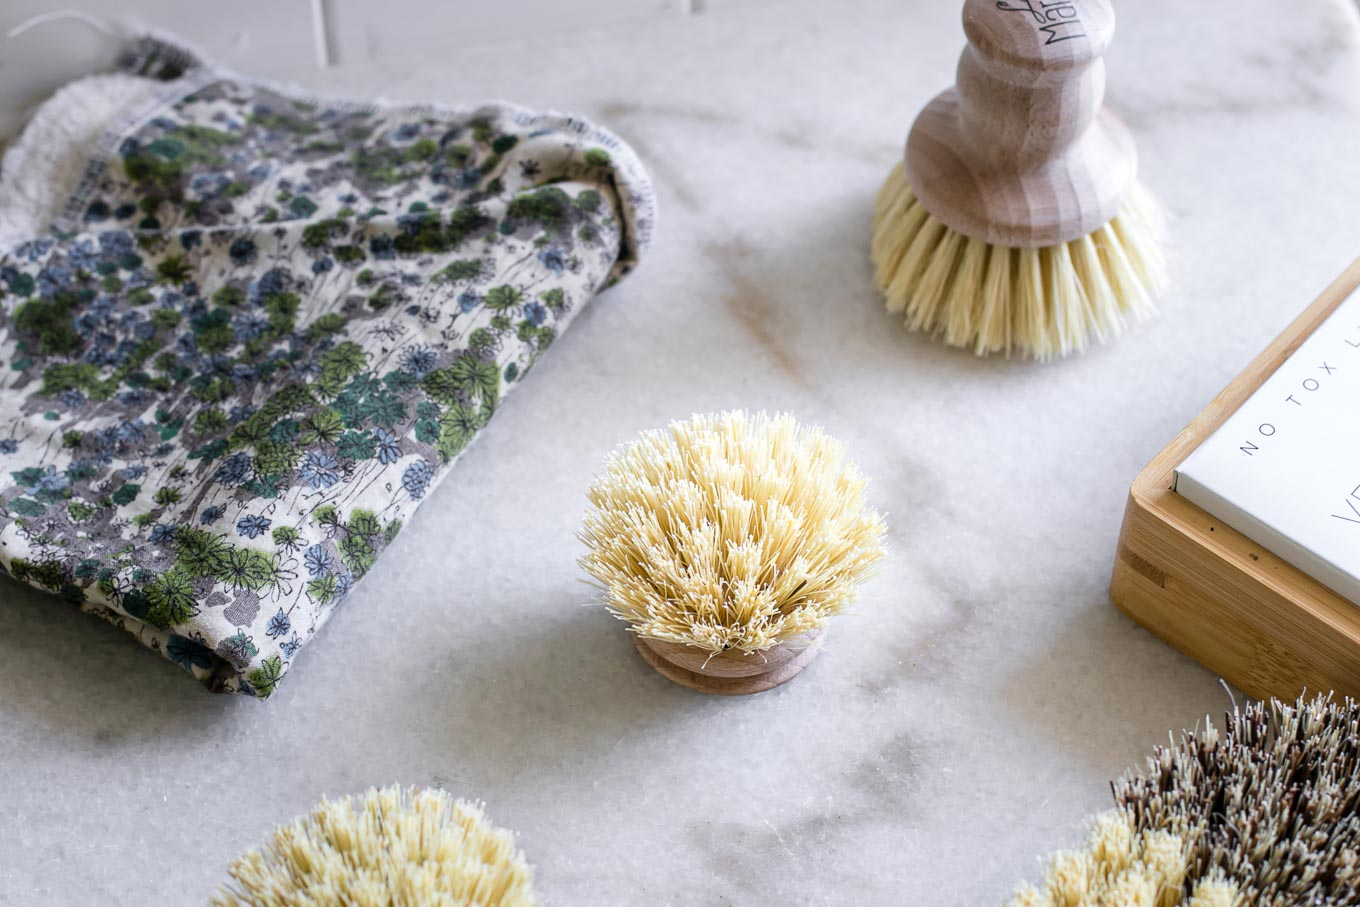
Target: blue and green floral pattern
x: 261, y: 332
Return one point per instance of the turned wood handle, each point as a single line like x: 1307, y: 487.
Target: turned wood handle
x: 1022, y: 152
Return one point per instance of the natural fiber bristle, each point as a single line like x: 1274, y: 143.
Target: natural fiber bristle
x: 1041, y: 302
x: 730, y: 531
x: 1122, y: 867
x: 387, y: 848
x: 1266, y: 813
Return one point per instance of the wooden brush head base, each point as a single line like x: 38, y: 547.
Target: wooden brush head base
x: 1022, y: 152
x: 731, y: 673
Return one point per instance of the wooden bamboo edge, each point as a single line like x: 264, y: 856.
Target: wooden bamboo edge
x: 1165, y: 539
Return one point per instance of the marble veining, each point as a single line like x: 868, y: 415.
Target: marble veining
x: 965, y: 719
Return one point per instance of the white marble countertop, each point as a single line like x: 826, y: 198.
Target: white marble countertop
x: 971, y: 713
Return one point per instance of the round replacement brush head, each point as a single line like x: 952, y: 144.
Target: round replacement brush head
x: 1015, y: 222
x: 1265, y: 813
x: 727, y: 542
x: 386, y: 848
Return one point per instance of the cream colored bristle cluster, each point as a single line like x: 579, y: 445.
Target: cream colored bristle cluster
x: 1041, y: 302
x: 1265, y: 813
x: 730, y: 531
x: 1122, y: 867
x: 387, y: 848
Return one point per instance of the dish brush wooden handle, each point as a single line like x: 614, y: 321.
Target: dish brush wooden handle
x: 1022, y: 152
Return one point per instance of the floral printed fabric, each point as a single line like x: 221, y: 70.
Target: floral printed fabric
x: 260, y: 334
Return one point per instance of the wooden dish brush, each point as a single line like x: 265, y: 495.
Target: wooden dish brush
x: 727, y: 542
x: 1015, y: 222
x: 387, y: 848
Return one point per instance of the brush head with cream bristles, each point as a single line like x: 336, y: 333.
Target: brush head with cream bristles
x: 1039, y: 302
x: 1265, y: 813
x: 386, y: 848
x: 1015, y: 222
x: 1122, y: 867
x: 730, y: 532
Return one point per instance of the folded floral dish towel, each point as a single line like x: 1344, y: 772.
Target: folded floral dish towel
x: 244, y: 332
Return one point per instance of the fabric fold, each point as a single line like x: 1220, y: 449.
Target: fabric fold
x: 260, y: 330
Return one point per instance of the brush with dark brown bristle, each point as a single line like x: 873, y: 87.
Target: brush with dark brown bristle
x: 1265, y: 813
